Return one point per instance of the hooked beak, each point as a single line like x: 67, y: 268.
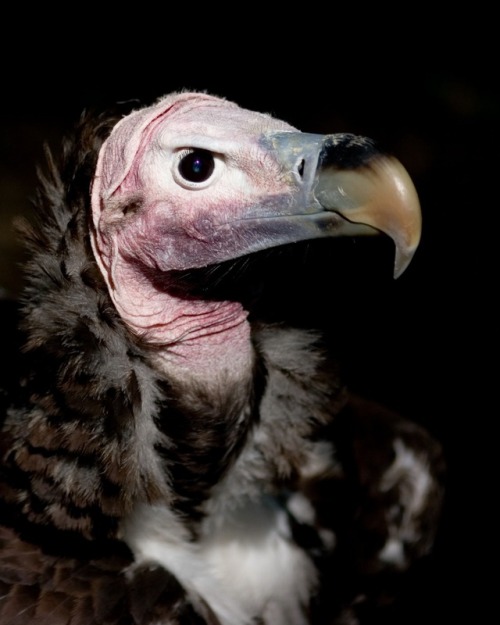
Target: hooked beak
x: 349, y: 188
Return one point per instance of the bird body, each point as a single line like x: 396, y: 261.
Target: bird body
x: 165, y: 457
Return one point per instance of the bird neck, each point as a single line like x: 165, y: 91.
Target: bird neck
x: 208, y: 346
x: 193, y: 339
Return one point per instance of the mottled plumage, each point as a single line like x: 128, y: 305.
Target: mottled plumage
x: 132, y: 492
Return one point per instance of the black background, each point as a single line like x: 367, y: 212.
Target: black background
x: 428, y: 92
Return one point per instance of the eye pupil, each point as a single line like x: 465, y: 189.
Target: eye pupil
x: 197, y: 166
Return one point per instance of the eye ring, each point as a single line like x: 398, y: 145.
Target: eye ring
x: 195, y: 167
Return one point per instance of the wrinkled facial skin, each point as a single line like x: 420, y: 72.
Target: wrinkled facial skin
x: 146, y: 209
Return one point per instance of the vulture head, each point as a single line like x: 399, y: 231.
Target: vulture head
x: 194, y: 180
x: 165, y: 457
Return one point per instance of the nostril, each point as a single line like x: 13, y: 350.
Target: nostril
x: 300, y: 168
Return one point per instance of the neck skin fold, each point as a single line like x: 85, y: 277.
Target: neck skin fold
x: 195, y: 340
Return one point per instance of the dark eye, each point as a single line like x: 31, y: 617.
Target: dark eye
x: 197, y: 166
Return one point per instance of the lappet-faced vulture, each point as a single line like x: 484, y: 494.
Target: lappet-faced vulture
x: 165, y: 456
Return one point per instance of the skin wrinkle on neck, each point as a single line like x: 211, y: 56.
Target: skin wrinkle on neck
x: 206, y: 358
x: 198, y: 339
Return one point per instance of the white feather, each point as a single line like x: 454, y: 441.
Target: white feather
x: 411, y: 474
x: 246, y: 568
